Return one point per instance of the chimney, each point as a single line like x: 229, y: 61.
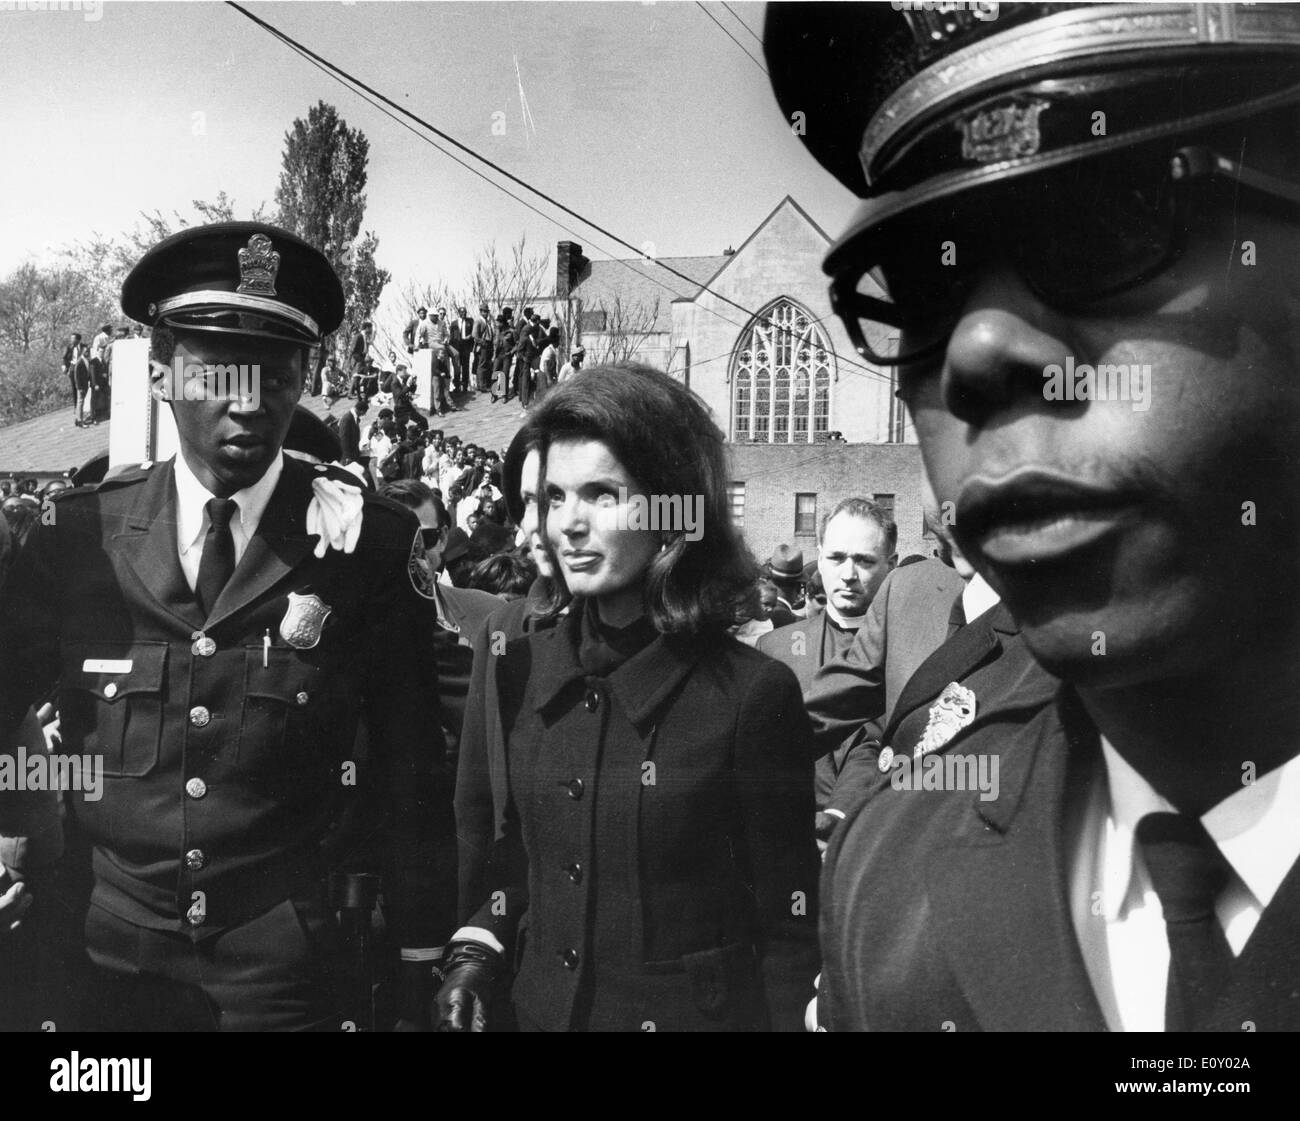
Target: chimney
x: 568, y: 265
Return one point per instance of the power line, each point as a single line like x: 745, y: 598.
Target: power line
x: 742, y: 23
x: 374, y: 97
x: 722, y: 27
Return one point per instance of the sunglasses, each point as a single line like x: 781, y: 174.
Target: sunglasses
x: 430, y: 537
x: 1076, y: 237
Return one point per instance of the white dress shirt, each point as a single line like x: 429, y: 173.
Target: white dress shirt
x: 192, y: 519
x: 1117, y: 914
x: 977, y: 597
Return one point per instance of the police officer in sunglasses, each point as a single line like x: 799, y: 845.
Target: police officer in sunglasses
x: 1077, y: 252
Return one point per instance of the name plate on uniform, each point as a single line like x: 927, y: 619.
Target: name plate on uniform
x: 106, y: 665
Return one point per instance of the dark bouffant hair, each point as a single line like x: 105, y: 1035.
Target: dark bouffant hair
x: 665, y: 439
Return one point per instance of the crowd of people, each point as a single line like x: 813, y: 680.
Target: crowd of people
x: 507, y: 357
x: 89, y: 370
x: 1052, y: 769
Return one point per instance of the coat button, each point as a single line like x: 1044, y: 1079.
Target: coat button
x: 576, y: 788
x: 574, y: 872
x: 302, y: 698
x: 571, y: 959
x: 195, y: 861
x: 200, y: 717
x: 196, y: 915
x: 196, y: 788
x: 591, y: 700
x: 110, y: 690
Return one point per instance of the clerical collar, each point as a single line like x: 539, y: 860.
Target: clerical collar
x: 844, y: 622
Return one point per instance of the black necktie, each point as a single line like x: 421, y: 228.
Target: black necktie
x: 218, y: 553
x: 1188, y: 872
x: 956, y: 617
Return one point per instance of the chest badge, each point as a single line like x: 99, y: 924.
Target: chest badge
x: 304, y: 620
x: 953, y: 711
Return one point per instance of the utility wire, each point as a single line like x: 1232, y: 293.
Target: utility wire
x: 722, y: 27
x: 375, y: 98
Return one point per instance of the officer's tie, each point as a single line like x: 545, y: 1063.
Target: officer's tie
x: 1188, y: 872
x: 218, y: 561
x: 956, y: 617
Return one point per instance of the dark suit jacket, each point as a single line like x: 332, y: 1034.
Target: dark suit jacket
x: 462, y: 615
x: 800, y: 646
x: 349, y: 437
x: 974, y: 929
x: 850, y: 699
x: 658, y: 838
x: 98, y: 603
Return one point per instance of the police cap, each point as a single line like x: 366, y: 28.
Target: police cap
x: 911, y: 105
x: 245, y: 278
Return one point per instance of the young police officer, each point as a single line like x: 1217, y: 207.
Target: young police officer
x: 220, y: 626
x: 1078, y: 246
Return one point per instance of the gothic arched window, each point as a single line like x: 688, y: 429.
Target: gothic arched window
x: 782, y: 368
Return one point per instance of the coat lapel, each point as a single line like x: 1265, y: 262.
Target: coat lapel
x: 278, y: 547
x: 1001, y: 891
x: 1264, y: 991
x: 148, y: 547
x: 970, y: 647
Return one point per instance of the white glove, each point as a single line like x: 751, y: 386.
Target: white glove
x: 335, y: 514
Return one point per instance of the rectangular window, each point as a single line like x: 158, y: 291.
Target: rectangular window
x: 805, y: 515
x: 736, y: 495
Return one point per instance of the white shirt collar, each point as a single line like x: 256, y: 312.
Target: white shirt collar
x: 977, y: 597
x: 1254, y: 828
x: 192, y: 496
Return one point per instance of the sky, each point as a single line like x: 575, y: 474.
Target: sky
x: 644, y: 117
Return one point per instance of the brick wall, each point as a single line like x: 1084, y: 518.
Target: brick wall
x: 774, y: 473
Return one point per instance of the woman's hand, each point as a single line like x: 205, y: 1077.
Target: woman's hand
x: 469, y: 973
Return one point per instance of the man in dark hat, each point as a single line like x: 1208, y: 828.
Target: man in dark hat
x: 1078, y: 246
x: 219, y: 627
x: 785, y: 570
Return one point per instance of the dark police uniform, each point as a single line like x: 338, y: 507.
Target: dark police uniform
x: 229, y: 738
x: 931, y: 118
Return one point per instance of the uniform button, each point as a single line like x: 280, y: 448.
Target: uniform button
x: 574, y: 872
x: 110, y: 690
x: 302, y: 698
x: 571, y: 959
x: 576, y: 788
x: 196, y: 787
x: 591, y: 700
x: 196, y: 916
x: 195, y: 860
x: 200, y: 717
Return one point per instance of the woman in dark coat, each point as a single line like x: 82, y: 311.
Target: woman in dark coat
x: 656, y: 868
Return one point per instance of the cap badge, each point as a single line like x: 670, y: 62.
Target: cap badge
x: 934, y: 25
x: 1003, y: 132
x: 303, y: 621
x: 258, y: 264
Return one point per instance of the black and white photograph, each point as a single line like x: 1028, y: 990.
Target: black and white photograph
x: 626, y: 516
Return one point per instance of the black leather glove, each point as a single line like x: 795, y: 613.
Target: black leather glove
x: 470, y: 971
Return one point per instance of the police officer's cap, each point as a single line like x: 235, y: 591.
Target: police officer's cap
x: 244, y: 278
x: 912, y: 104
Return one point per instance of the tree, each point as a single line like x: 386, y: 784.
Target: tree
x: 321, y: 197
x: 625, y: 329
